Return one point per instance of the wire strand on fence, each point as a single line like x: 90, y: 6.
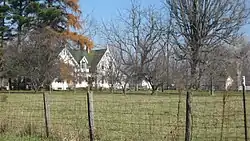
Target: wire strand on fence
x: 126, y: 117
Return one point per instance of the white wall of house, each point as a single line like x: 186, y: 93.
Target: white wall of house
x: 240, y: 88
x: 64, y: 85
x: 59, y: 85
x: 146, y: 84
x: 120, y: 86
x: 102, y: 68
x: 104, y: 63
x: 66, y: 57
x: 105, y: 85
x: 84, y: 65
x: 83, y: 84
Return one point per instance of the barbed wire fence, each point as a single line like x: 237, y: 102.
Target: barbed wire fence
x: 119, y: 117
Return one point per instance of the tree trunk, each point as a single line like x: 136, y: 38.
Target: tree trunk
x: 35, y: 87
x: 167, y: 68
x: 1, y: 81
x: 124, y: 88
x: 153, y: 92
x: 3, y: 24
x: 188, y: 132
x: 112, y: 88
x: 192, y: 84
x: 136, y: 86
x: 154, y: 89
x: 198, y: 83
x: 238, y: 73
x: 193, y: 74
x: 74, y: 87
x: 18, y: 83
x: 112, y: 83
x: 10, y: 84
x: 123, y: 91
x: 19, y: 29
x: 211, y: 85
x: 162, y: 87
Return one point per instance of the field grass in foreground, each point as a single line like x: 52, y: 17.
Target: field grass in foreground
x: 134, y: 117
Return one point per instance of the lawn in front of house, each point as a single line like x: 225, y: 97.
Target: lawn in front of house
x: 135, y: 116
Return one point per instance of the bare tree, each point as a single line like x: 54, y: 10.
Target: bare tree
x: 135, y: 36
x: 155, y: 72
x: 222, y: 62
x: 165, y: 44
x: 214, y: 70
x: 120, y: 74
x: 200, y: 26
x: 89, y: 25
x: 240, y: 52
x: 180, y: 76
x: 38, y: 59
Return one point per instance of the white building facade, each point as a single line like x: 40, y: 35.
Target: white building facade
x: 94, y: 64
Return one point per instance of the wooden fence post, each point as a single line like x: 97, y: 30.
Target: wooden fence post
x: 244, y: 105
x: 46, y: 113
x: 91, y: 115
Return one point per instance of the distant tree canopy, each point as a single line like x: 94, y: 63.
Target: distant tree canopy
x: 38, y: 60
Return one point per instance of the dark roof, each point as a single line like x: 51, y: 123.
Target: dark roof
x: 93, y: 56
x: 96, y: 57
x: 78, y: 54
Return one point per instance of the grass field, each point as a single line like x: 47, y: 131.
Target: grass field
x: 134, y: 117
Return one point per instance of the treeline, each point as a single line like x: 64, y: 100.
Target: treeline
x: 191, y: 44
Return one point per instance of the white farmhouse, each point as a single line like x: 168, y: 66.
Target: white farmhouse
x: 94, y: 64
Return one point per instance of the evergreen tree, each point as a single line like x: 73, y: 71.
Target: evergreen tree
x: 3, y: 15
x: 61, y: 16
x: 20, y: 17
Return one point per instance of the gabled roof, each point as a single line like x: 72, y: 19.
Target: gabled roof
x: 84, y: 59
x: 97, y: 56
x: 93, y: 57
x: 78, y: 54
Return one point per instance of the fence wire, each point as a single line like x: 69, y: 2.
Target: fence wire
x: 131, y: 117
